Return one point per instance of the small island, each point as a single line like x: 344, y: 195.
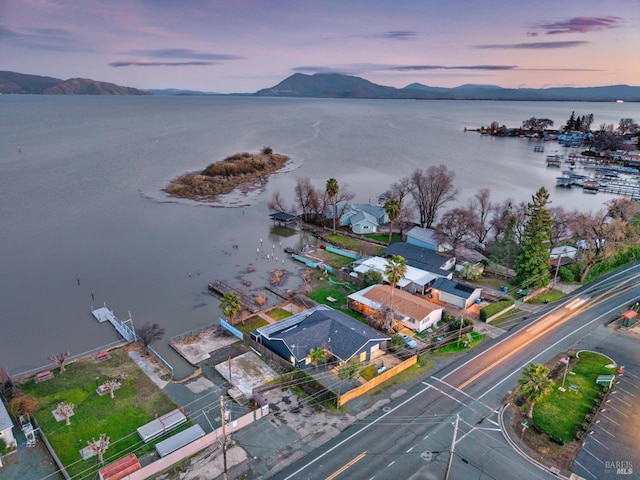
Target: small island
x: 244, y: 171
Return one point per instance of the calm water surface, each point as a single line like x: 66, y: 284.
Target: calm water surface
x: 80, y: 193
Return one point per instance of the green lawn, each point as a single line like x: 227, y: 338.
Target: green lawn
x: 279, y: 313
x: 455, y: 348
x: 336, y: 288
x: 251, y: 323
x: 345, y: 242
x: 135, y: 403
x: 550, y: 295
x: 561, y: 413
x: 381, y: 237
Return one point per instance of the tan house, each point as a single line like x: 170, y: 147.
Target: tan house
x: 412, y: 311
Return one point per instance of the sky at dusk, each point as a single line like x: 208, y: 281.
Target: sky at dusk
x: 245, y: 45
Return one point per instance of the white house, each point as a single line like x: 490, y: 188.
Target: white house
x: 415, y: 280
x: 412, y: 311
x: 6, y: 427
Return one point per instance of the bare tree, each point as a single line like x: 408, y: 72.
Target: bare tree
x: 431, y: 189
x: 456, y: 227
x: 60, y: 359
x: 307, y: 197
x: 65, y: 410
x: 5, y: 380
x: 99, y: 447
x: 111, y: 386
x: 278, y: 203
x: 561, y: 221
x: 482, y: 207
x: 148, y: 334
x: 627, y: 125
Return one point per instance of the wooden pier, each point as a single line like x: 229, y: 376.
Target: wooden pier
x: 248, y: 303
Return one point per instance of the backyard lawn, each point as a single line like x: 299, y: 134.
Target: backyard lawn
x: 560, y: 414
x: 136, y: 402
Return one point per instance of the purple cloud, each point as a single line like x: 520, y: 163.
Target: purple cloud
x: 182, y: 53
x: 399, y: 35
x: 405, y: 68
x: 580, y: 25
x: 534, y: 45
x: 158, y: 64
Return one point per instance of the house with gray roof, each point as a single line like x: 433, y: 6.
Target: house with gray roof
x: 423, y: 258
x: 361, y: 217
x: 455, y: 293
x: 322, y: 327
x: 6, y: 427
x: 425, y: 237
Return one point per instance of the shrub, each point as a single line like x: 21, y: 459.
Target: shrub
x: 566, y: 274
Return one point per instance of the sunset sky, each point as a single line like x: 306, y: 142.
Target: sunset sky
x: 245, y: 45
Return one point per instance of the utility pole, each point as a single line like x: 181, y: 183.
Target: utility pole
x: 453, y: 446
x: 224, y: 438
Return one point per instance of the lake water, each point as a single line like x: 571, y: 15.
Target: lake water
x: 80, y: 193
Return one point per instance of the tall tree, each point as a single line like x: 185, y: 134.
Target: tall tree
x: 149, y: 333
x: 455, y: 228
x: 332, y: 190
x: 482, y: 207
x: 393, y: 209
x: 60, y: 359
x: 307, y: 197
x: 431, y: 189
x: 534, y: 384
x: 395, y: 270
x: 533, y: 262
x: 505, y: 248
x: 231, y: 305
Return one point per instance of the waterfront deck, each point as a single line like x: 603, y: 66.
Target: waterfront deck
x: 248, y: 303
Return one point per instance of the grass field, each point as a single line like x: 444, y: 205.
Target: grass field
x: 561, y: 413
x: 279, y: 314
x: 135, y: 403
x: 251, y: 324
x: 455, y: 348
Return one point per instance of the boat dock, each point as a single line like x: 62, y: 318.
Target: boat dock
x: 105, y: 315
x: 219, y: 287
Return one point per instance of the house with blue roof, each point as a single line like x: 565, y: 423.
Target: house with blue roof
x: 341, y: 336
x: 363, y: 218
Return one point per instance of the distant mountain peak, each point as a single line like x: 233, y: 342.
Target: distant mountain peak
x: 20, y: 83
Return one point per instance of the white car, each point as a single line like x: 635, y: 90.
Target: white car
x: 408, y: 341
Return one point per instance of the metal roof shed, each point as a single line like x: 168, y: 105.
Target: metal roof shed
x: 161, y: 425
x: 179, y: 440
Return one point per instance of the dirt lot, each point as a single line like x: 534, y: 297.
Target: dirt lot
x: 197, y: 348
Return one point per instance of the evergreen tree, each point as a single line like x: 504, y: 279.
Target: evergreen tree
x: 533, y: 262
x: 504, y: 250
x: 570, y: 125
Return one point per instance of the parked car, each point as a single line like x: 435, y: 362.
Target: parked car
x: 408, y: 341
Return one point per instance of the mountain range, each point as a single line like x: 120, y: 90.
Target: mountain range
x: 330, y: 85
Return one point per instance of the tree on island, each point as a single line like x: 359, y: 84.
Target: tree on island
x: 395, y: 271
x: 393, y: 209
x: 537, y: 125
x: 60, y: 359
x: 332, y: 190
x: 534, y: 384
x: 231, y: 305
x: 149, y: 333
x: 533, y: 262
x: 431, y: 189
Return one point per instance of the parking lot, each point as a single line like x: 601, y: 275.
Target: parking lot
x: 610, y: 449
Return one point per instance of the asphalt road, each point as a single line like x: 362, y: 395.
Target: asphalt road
x: 412, y: 436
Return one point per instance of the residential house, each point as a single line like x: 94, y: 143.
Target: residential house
x: 425, y: 238
x: 6, y: 427
x: 322, y: 327
x: 415, y: 280
x: 361, y: 217
x: 412, y: 311
x: 455, y: 293
x: 423, y: 258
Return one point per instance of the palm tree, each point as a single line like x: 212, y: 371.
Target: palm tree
x: 534, y: 384
x: 393, y: 209
x: 332, y: 191
x: 395, y: 271
x: 317, y: 355
x: 231, y: 305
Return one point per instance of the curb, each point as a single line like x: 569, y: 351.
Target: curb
x: 515, y: 446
